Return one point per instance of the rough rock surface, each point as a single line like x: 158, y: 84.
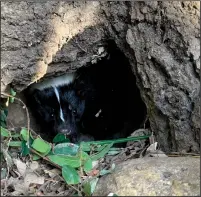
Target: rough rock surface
x: 153, y: 177
x: 160, y: 39
x: 46, y: 38
x: 162, y: 42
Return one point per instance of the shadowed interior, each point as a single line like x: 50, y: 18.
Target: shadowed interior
x: 119, y: 109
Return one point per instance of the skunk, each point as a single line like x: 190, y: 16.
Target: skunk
x: 98, y: 100
x: 59, y: 104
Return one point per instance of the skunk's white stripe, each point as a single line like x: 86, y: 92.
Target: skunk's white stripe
x: 55, y: 82
x: 61, y: 80
x: 58, y: 98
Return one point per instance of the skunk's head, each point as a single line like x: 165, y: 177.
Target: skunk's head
x: 59, y: 109
x: 72, y: 109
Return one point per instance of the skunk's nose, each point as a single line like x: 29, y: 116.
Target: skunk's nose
x: 66, y: 131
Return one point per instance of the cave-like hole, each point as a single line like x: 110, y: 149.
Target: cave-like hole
x: 119, y: 110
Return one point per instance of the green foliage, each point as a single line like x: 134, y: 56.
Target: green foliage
x: 66, y: 149
x: 61, y: 160
x: 24, y: 149
x: 73, y: 159
x: 35, y: 157
x: 60, y: 138
x: 102, y: 153
x: 25, y: 134
x: 104, y: 171
x: 70, y: 175
x: 15, y: 143
x: 4, y: 110
x: 5, y: 132
x: 87, y: 165
x: 4, y: 113
x: 13, y: 93
x: 41, y: 146
x: 89, y: 186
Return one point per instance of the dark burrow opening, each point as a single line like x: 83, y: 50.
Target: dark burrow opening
x: 119, y: 109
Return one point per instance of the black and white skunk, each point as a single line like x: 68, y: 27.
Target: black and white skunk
x: 59, y: 104
x: 94, y: 100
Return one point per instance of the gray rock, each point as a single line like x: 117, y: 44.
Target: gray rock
x: 153, y: 177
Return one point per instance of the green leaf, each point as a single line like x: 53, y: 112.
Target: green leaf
x: 85, y: 146
x: 88, y: 165
x: 49, y: 152
x: 11, y: 99
x: 25, y: 150
x: 3, y: 116
x: 5, y: 132
x: 41, y: 146
x: 102, y: 153
x: 85, y: 160
x: 15, y: 135
x: 73, y: 161
x: 90, y: 186
x: 12, y: 92
x: 115, y: 141
x: 35, y: 157
x: 104, y: 171
x: 101, y: 147
x: 70, y: 175
x: 3, y: 124
x: 24, y: 133
x: 65, y: 160
x: 60, y: 138
x: 25, y: 136
x: 83, y: 156
x: 66, y: 149
x: 15, y: 143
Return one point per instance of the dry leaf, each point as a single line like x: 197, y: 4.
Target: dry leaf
x: 53, y: 172
x: 33, y: 178
x: 34, y: 165
x: 20, y: 166
x: 20, y: 187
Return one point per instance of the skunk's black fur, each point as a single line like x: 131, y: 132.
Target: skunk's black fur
x: 100, y: 101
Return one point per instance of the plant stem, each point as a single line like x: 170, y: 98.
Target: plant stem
x: 102, y: 142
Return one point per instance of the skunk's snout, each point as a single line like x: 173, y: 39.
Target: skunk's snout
x: 66, y: 131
